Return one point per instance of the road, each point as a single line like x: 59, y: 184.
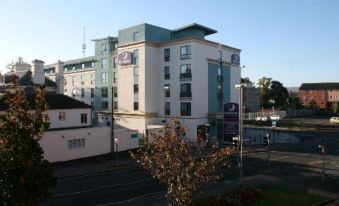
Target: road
x: 131, y: 184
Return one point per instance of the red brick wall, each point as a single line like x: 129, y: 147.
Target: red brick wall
x: 319, y: 97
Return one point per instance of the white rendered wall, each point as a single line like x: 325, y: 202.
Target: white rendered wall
x: 55, y: 143
x: 125, y: 141
x: 73, y: 118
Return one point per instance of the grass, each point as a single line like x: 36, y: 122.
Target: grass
x: 278, y: 196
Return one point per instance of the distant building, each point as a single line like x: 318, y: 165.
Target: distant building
x: 323, y: 95
x: 251, y: 99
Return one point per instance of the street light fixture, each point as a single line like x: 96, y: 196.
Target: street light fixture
x: 166, y: 88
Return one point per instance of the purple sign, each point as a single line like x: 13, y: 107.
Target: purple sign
x: 125, y: 58
x: 235, y: 59
x: 231, y: 121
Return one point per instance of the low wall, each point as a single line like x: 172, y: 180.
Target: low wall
x: 127, y: 139
x: 63, y: 145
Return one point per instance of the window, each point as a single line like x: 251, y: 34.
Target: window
x: 104, y: 92
x: 115, y: 105
x: 185, y: 108
x: 82, y: 66
x: 219, y: 55
x: 135, y: 71
x: 115, y: 45
x: 185, y: 90
x: 136, y: 36
x: 104, y: 105
x: 115, y: 78
x: 76, y: 143
x: 167, y: 55
x: 167, y: 72
x: 136, y: 106
x: 115, y: 92
x: 103, y: 49
x: 104, y: 76
x: 92, y: 104
x: 167, y: 108
x: 185, y: 71
x: 62, y: 116
x: 82, y: 79
x: 185, y: 52
x: 136, y: 88
x: 167, y: 88
x: 92, y: 92
x: 65, y: 82
x: 83, y: 118
x: 114, y: 62
x: 136, y: 57
x: 73, y: 81
x: 92, y: 79
x: 103, y: 63
x: 92, y: 64
x: 82, y: 92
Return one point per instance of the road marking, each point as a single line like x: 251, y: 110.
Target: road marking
x: 135, y: 198
x: 101, y: 187
x: 335, y: 164
x: 98, y: 173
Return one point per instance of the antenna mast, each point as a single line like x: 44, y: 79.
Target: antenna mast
x: 84, y: 44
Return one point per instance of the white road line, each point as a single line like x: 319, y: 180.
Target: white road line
x: 132, y: 199
x: 99, y: 173
x: 101, y: 187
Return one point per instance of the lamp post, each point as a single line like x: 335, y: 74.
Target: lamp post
x: 241, y: 88
x: 323, y: 153
x: 112, y: 123
x: 166, y: 88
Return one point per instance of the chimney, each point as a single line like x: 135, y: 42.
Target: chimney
x: 59, y: 77
x: 38, y: 75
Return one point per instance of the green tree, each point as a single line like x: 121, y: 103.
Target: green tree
x: 247, y: 81
x: 264, y: 84
x: 25, y: 177
x: 170, y: 159
x: 279, y: 94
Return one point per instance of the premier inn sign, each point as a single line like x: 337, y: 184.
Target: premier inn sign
x: 125, y: 58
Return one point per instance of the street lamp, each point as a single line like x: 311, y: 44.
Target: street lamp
x: 323, y: 153
x: 241, y: 88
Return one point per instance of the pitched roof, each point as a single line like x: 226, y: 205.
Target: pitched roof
x: 319, y: 86
x: 206, y: 30
x: 54, y: 101
x: 26, y: 80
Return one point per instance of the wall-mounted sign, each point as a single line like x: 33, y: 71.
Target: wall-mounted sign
x: 235, y: 59
x: 231, y: 121
x: 125, y: 58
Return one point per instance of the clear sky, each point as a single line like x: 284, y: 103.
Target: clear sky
x: 292, y: 41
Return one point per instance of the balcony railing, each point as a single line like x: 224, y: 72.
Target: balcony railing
x: 185, y: 95
x: 186, y: 76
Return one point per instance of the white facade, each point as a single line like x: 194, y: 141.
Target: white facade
x: 67, y: 118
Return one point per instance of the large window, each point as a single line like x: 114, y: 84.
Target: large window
x: 82, y: 92
x: 76, y: 143
x: 104, y: 92
x: 167, y: 55
x: 104, y: 63
x: 136, y: 57
x: 167, y: 108
x: 82, y: 82
x: 167, y: 72
x: 185, y: 71
x: 167, y: 90
x: 136, y: 106
x: 92, y: 92
x: 83, y: 118
x: 103, y: 49
x: 62, y: 116
x: 115, y: 92
x: 104, y: 105
x: 136, y: 88
x: 115, y: 105
x: 185, y: 52
x: 185, y: 90
x: 185, y: 108
x: 104, y: 77
x: 114, y: 62
x: 136, y: 36
x: 115, y: 77
x: 73, y: 80
x: 92, y: 79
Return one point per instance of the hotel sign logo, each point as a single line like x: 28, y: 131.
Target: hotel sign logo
x: 231, y: 121
x: 235, y: 59
x: 125, y: 58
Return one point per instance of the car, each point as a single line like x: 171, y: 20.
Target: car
x: 334, y: 120
x: 275, y: 117
x: 264, y: 118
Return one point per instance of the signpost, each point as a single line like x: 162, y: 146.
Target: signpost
x: 231, y: 121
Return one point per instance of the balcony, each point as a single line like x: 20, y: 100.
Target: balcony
x: 185, y: 76
x: 220, y: 95
x: 220, y: 78
x: 167, y: 76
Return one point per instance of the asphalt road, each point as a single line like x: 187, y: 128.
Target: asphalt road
x: 118, y: 186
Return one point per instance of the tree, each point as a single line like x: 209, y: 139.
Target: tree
x: 173, y: 162
x: 25, y: 178
x: 247, y: 81
x: 264, y: 84
x: 279, y: 94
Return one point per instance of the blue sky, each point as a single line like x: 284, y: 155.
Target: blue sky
x: 290, y: 41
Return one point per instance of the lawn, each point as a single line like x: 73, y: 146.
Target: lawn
x: 261, y: 196
x: 278, y: 196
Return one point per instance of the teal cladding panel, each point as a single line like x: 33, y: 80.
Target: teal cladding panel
x: 226, y: 83
x: 212, y: 88
x: 188, y: 33
x: 126, y: 35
